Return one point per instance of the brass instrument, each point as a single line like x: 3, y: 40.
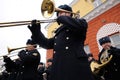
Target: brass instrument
x: 13, y: 49
x: 96, y: 67
x: 104, y: 56
x: 47, y: 10
x: 19, y: 23
x: 10, y: 50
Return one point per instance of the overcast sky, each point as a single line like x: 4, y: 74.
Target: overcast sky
x: 21, y: 10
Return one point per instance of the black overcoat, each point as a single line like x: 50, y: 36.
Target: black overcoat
x: 69, y: 60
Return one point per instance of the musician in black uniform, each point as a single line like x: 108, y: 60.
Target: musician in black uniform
x: 47, y: 71
x: 27, y: 64
x: 41, y: 69
x: 67, y: 44
x: 112, y: 69
x: 91, y: 59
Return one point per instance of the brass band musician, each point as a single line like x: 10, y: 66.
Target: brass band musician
x: 99, y: 75
x: 24, y: 68
x: 112, y: 69
x: 67, y: 45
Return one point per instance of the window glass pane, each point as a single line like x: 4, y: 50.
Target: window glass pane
x: 87, y: 49
x: 115, y: 40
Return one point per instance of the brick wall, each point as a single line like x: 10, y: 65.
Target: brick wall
x: 110, y: 16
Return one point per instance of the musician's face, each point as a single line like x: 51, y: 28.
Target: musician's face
x: 106, y: 45
x: 64, y: 14
x: 49, y: 63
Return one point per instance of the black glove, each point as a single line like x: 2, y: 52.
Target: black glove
x: 21, y: 54
x: 58, y: 21
x: 35, y: 27
x: 6, y: 59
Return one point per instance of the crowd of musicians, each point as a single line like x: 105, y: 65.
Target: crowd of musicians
x: 70, y: 61
x: 27, y: 66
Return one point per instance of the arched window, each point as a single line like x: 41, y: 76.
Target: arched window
x: 113, y: 31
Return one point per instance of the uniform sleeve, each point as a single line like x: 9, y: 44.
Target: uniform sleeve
x: 43, y: 41
x: 114, y: 51
x: 10, y: 65
x: 73, y: 23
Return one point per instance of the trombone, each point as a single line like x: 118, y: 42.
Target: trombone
x: 47, y: 10
x: 19, y: 23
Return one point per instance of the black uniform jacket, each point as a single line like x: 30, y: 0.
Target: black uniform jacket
x: 69, y: 59
x: 112, y: 69
x: 26, y: 67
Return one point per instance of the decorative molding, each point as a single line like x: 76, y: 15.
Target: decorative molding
x: 101, y: 9
x: 73, y: 2
x: 106, y: 30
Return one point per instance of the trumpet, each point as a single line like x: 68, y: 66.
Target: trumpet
x: 47, y: 10
x: 13, y: 49
x: 10, y: 50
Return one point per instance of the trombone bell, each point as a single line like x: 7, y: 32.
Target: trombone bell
x: 47, y: 8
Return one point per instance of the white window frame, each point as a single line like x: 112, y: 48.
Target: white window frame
x: 115, y: 42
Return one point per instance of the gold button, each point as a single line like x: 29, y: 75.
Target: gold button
x: 54, y: 43
x: 67, y: 30
x: 66, y: 47
x: 116, y: 70
x: 114, y: 63
x: 54, y: 52
x: 55, y: 37
x: 67, y: 38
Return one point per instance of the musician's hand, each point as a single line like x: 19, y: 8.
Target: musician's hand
x: 6, y: 58
x: 35, y: 27
x: 21, y: 53
x: 58, y: 21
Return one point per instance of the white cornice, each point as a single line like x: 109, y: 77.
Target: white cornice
x: 101, y: 9
x: 73, y: 2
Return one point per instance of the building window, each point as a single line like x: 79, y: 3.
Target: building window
x: 87, y: 49
x: 115, y: 39
x: 96, y: 3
